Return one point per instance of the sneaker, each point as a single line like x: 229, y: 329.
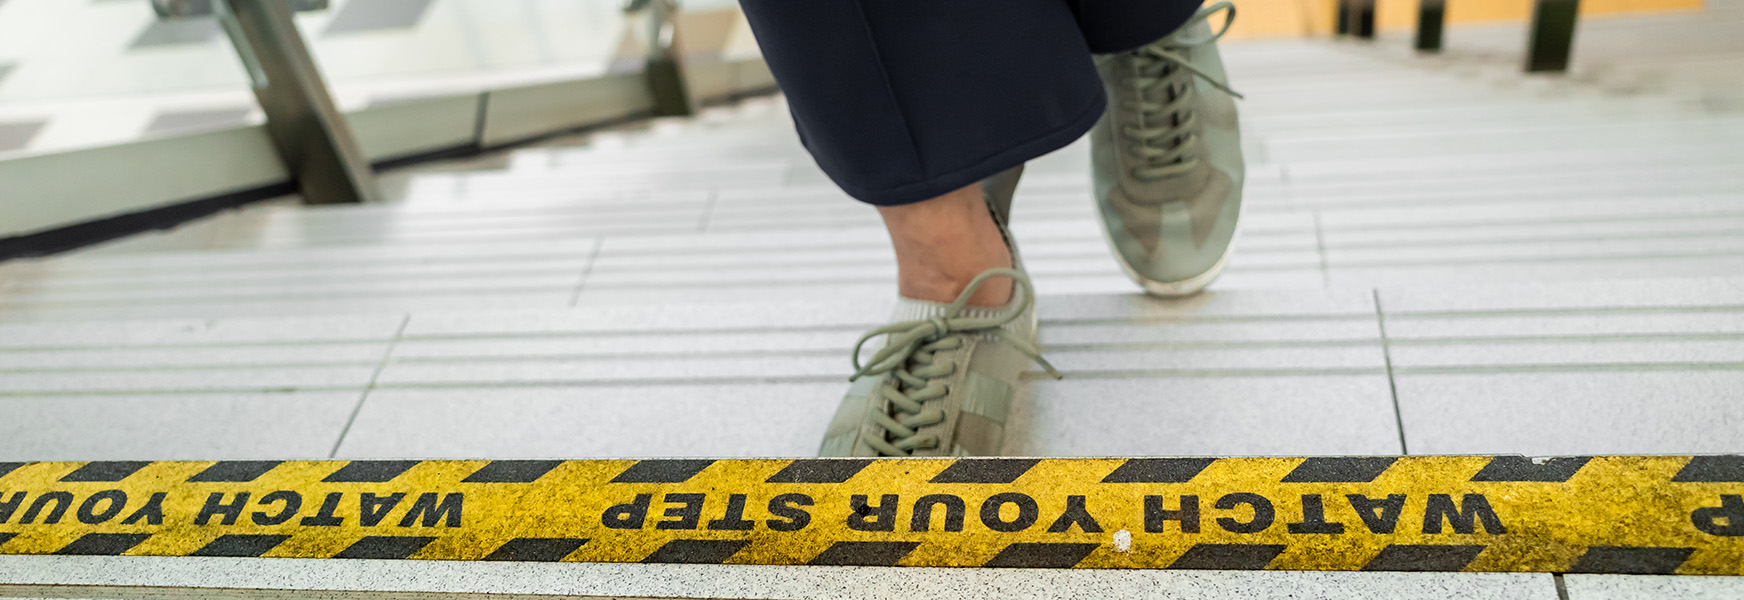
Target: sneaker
x: 1166, y: 158
x: 943, y: 381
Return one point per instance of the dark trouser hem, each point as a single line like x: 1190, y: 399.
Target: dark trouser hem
x: 993, y: 165
x: 1112, y: 26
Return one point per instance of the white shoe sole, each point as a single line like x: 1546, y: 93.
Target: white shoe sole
x: 1176, y: 289
x: 1185, y: 287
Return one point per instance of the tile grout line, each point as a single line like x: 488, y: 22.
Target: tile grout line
x: 1387, y: 356
x: 708, y: 210
x: 1561, y: 587
x: 370, y: 387
x: 1320, y: 247
x: 599, y: 245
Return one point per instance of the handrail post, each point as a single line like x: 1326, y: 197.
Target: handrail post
x: 1341, y: 16
x: 308, y: 131
x: 1430, y: 17
x: 1362, y: 19
x: 1553, y: 23
x: 665, y: 68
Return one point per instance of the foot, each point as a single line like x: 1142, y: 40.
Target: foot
x: 943, y: 381
x: 1166, y: 159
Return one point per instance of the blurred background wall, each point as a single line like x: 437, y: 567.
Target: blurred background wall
x: 82, y: 73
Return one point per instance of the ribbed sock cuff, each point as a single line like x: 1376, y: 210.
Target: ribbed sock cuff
x: 909, y: 309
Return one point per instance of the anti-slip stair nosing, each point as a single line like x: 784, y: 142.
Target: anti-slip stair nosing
x: 1605, y: 514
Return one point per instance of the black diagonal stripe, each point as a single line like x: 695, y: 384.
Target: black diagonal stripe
x: 103, y: 544
x: 105, y: 471
x: 662, y: 471
x: 8, y: 467
x: 537, y: 549
x: 234, y: 471
x: 1411, y: 557
x: 512, y: 471
x: 1032, y: 555
x: 6, y: 536
x: 1340, y: 469
x: 371, y: 471
x: 864, y: 554
x: 1520, y: 468
x: 1158, y: 470
x: 241, y: 546
x: 1631, y: 561
x: 1712, y: 469
x: 836, y: 470
x: 696, y: 552
x: 385, y: 546
x: 985, y: 470
x: 1233, y: 557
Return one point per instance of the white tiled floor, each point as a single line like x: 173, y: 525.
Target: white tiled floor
x: 649, y: 258
x: 760, y: 582
x: 1439, y: 256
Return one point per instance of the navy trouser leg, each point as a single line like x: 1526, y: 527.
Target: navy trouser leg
x: 904, y: 100
x: 1119, y: 25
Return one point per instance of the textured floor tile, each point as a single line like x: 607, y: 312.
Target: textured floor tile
x: 197, y: 331
x: 768, y: 419
x: 1490, y: 211
x: 286, y: 288
x: 1216, y: 305
x: 395, y: 305
x: 173, y: 426
x: 834, y: 341
x: 1314, y: 415
x: 762, y: 316
x: 1632, y: 587
x: 94, y: 360
x: 257, y: 379
x: 1696, y: 322
x: 818, y: 292
x: 617, y: 369
x: 1572, y: 270
x: 764, y: 582
x: 1596, y: 352
x: 1570, y: 413
x: 1565, y: 296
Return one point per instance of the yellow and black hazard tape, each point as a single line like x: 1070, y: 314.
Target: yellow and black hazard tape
x: 1632, y: 514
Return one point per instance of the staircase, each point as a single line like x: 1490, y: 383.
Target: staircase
x: 1439, y: 256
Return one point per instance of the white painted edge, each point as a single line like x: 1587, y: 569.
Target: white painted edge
x: 754, y: 582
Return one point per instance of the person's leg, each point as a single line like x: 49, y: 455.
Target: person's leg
x: 943, y: 243
x: 1111, y: 26
x: 902, y: 101
x: 908, y: 106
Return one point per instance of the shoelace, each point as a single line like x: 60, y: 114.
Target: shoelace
x: 1166, y: 136
x: 915, y: 357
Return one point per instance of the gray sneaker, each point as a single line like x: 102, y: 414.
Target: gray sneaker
x: 942, y: 383
x: 1166, y: 159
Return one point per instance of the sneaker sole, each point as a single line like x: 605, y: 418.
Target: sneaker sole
x: 1176, y: 289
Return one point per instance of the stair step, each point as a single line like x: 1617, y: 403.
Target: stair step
x: 1237, y: 372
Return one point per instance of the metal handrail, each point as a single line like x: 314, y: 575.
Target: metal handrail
x: 1548, y: 49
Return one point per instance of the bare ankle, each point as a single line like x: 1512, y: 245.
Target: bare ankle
x: 943, y: 243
